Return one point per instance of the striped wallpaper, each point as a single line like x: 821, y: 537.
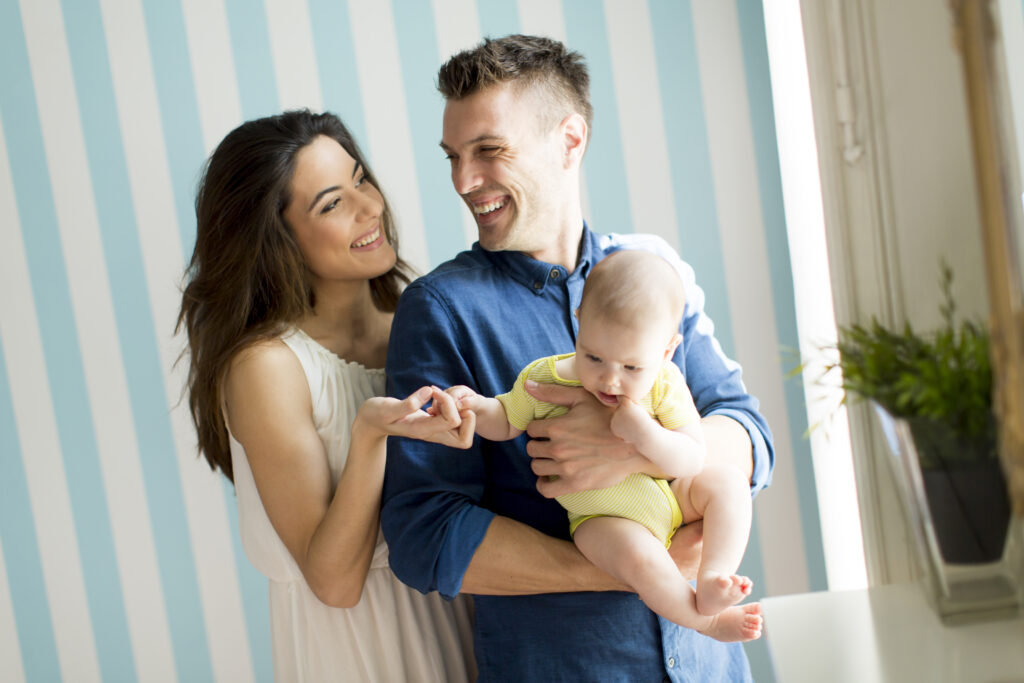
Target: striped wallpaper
x: 120, y: 556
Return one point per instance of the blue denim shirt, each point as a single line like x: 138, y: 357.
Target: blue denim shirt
x: 478, y: 320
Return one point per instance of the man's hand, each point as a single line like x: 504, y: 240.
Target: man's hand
x: 579, y: 447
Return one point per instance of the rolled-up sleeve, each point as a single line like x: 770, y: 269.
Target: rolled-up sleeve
x: 429, y: 514
x: 717, y: 385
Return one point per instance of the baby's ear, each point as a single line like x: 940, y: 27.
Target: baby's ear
x: 676, y: 340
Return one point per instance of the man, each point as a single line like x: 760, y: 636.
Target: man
x: 484, y: 521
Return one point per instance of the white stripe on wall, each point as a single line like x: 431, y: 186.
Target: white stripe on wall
x: 291, y: 45
x: 12, y: 669
x: 157, y: 220
x: 542, y: 18
x: 37, y: 430
x: 389, y: 145
x: 644, y: 146
x: 213, y: 68
x: 738, y: 201
x: 458, y: 28
x: 96, y: 327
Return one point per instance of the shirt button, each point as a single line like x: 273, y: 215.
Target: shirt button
x: 671, y: 662
x: 555, y: 273
x: 538, y: 285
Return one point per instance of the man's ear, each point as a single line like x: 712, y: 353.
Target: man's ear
x: 677, y: 339
x: 574, y: 139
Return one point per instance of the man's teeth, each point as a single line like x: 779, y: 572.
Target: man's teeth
x: 369, y: 239
x: 481, y: 209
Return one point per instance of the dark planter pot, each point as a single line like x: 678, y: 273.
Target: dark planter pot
x: 966, y: 493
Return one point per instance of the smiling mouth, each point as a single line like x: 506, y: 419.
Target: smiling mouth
x: 609, y: 399
x: 489, y: 207
x: 368, y: 239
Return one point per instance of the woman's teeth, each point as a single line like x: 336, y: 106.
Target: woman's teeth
x: 481, y: 209
x: 369, y: 239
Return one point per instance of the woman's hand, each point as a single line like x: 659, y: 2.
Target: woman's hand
x: 444, y: 423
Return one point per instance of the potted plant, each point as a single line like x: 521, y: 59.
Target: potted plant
x: 940, y: 385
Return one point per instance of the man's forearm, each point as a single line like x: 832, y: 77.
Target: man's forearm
x: 516, y: 559
x: 728, y: 442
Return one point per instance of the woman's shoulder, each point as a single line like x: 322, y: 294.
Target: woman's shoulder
x: 264, y: 381
x: 265, y: 362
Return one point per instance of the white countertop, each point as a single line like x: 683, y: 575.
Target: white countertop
x: 885, y: 633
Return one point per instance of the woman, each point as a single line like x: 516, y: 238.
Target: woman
x: 287, y: 307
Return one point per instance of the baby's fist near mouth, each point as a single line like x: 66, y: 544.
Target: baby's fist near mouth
x: 628, y: 420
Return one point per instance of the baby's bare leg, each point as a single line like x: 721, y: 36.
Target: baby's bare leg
x: 628, y: 551
x: 721, y: 496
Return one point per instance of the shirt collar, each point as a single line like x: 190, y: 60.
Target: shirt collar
x: 537, y: 275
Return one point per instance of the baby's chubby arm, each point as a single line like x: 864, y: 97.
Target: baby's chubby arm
x: 491, y: 421
x: 679, y: 452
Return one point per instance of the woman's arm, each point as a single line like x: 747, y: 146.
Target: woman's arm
x: 330, y: 531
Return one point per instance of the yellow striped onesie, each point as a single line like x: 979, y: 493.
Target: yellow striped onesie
x: 639, y: 497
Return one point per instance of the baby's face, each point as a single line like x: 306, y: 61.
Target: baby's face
x: 614, y: 360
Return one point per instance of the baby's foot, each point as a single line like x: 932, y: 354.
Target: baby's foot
x: 717, y: 591
x: 738, y: 623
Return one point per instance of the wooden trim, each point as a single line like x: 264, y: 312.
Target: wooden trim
x: 995, y: 173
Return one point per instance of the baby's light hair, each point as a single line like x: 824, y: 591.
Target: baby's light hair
x: 635, y: 288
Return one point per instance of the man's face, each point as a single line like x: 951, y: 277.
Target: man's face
x: 508, y: 170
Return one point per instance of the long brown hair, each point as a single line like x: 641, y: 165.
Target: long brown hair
x: 247, y: 279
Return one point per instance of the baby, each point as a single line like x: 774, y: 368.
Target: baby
x: 629, y: 318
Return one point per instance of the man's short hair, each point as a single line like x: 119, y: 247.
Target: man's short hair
x: 557, y: 74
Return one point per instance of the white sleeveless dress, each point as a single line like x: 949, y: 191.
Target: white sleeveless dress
x: 394, y: 634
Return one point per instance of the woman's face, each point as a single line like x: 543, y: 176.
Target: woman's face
x: 335, y: 215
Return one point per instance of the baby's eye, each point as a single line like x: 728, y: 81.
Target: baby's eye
x: 633, y: 368
x: 592, y: 358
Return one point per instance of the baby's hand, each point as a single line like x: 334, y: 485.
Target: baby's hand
x: 629, y: 421
x: 465, y: 398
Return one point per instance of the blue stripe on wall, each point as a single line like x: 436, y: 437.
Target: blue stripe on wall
x: 497, y: 18
x: 762, y: 116
x: 682, y: 102
x: 254, y: 66
x: 44, y: 254
x: 336, y: 62
x: 20, y: 546
x: 135, y: 326
x: 753, y: 567
x: 417, y: 48
x: 607, y: 189
x: 179, y: 112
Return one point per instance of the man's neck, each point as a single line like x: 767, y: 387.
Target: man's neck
x: 564, y: 248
